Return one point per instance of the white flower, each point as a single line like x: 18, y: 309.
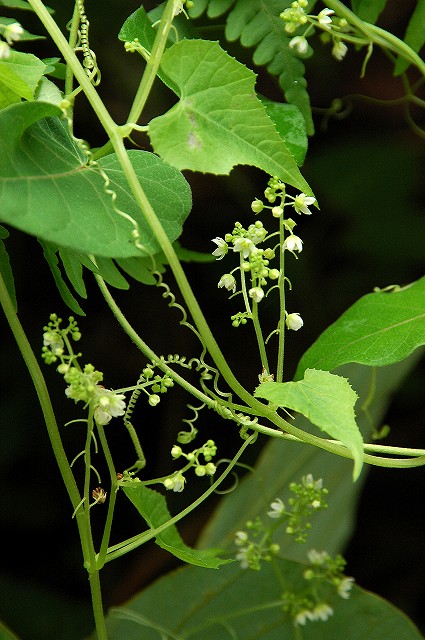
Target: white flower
x: 109, y: 405
x: 308, y: 481
x: 245, y: 246
x: 240, y: 538
x: 339, y: 49
x: 322, y: 611
x: 222, y: 248
x: 228, y: 282
x: 299, y: 43
x: 344, y: 587
x: 302, y: 203
x: 293, y: 243
x: 256, y: 293
x: 324, y: 19
x: 304, y: 615
x: 294, y: 321
x: 277, y: 509
x: 12, y: 32
x: 4, y: 50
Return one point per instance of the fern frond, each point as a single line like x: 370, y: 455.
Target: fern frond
x: 256, y: 23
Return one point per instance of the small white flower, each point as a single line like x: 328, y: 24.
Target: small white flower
x: 293, y: 243
x: 294, y: 321
x: 12, y: 32
x: 4, y: 50
x: 339, y: 49
x: 240, y: 538
x: 245, y: 246
x: 222, y: 248
x: 228, y: 282
x: 304, y: 615
x: 302, y: 203
x: 322, y: 611
x: 256, y: 293
x: 299, y: 43
x: 277, y: 509
x: 109, y: 405
x: 344, y: 587
x: 308, y: 481
x: 324, y: 19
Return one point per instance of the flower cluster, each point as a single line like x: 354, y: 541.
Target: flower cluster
x: 83, y: 384
x: 333, y: 28
x: 158, y: 384
x: 309, y: 497
x: 11, y: 32
x: 177, y: 480
x: 254, y: 547
x: 254, y: 261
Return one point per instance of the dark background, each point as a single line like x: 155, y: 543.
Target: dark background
x: 366, y: 171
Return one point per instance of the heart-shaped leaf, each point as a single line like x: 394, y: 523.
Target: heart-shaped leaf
x: 48, y: 188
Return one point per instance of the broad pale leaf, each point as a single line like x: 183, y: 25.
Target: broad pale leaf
x: 19, y: 76
x: 327, y: 401
x: 219, y: 122
x: 152, y: 506
x: 48, y: 189
x: 379, y: 329
x: 247, y: 605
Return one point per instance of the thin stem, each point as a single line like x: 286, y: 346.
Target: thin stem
x: 100, y: 560
x: 73, y: 36
x: 282, y: 303
x: 153, y: 62
x: 260, y: 339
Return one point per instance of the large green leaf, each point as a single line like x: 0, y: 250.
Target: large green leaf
x: 379, y: 329
x: 233, y: 604
x: 327, y: 401
x: 218, y: 122
x: 152, y: 506
x: 289, y: 123
x: 48, y: 190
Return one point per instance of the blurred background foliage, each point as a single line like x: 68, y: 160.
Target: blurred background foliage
x: 367, y: 172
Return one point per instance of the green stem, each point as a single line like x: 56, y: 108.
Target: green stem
x: 73, y: 36
x: 282, y: 303
x: 153, y: 62
x: 100, y: 560
x: 132, y: 543
x: 259, y: 334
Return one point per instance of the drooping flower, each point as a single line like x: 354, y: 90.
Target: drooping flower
x: 339, y: 49
x: 299, y: 43
x: 228, y: 282
x: 293, y: 243
x: 322, y: 611
x: 109, y: 405
x: 4, y: 50
x: 256, y: 293
x: 344, y: 587
x: 294, y: 321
